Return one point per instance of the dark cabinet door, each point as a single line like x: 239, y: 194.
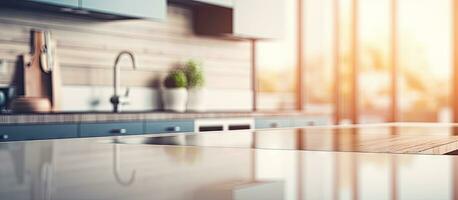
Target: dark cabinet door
x: 152, y: 9
x: 66, y: 3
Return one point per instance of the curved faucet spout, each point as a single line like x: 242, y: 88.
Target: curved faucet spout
x: 116, y: 99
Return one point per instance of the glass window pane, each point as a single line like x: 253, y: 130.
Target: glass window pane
x: 319, y: 56
x: 374, y: 77
x: 276, y: 66
x: 425, y: 60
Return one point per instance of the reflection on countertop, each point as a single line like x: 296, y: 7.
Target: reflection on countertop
x: 93, y: 169
x: 406, y: 138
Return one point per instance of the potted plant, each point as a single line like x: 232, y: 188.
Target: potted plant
x: 174, y: 95
x: 196, y: 91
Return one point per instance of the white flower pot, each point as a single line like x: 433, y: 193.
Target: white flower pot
x: 174, y: 99
x: 196, y: 99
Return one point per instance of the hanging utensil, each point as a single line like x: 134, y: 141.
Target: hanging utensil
x: 41, y: 76
x: 47, y: 53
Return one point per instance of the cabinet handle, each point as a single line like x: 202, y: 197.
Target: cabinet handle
x: 119, y: 131
x: 174, y: 128
x: 4, y: 136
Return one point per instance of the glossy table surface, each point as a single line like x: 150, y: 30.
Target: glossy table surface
x: 271, y: 165
x: 407, y: 138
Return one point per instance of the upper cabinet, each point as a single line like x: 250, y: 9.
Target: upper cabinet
x: 151, y: 9
x: 240, y: 19
x: 224, y: 3
x: 112, y: 9
x: 251, y: 19
x: 69, y: 3
x: 263, y: 19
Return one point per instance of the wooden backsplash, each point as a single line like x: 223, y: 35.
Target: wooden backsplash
x: 87, y: 49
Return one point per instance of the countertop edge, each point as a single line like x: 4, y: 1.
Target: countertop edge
x: 113, y: 117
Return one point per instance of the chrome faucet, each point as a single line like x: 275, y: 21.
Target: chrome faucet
x: 117, y: 100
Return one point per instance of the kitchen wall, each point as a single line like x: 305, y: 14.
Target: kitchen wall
x: 87, y: 49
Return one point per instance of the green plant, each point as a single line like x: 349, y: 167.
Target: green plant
x: 194, y: 74
x: 176, y: 79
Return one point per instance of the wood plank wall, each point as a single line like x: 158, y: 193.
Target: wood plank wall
x: 87, y: 49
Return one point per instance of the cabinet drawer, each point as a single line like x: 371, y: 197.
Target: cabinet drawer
x: 273, y: 122
x: 177, y: 126
x: 37, y: 132
x: 111, y: 129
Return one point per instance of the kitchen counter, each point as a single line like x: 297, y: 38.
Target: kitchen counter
x: 399, y: 138
x: 77, y: 117
x: 273, y: 164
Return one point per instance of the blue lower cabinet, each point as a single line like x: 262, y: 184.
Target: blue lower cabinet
x: 311, y: 121
x: 175, y: 126
x: 37, y: 132
x: 111, y: 129
x: 273, y: 122
x: 304, y: 121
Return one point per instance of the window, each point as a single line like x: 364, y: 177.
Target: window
x: 424, y: 60
x: 276, y: 67
x: 319, y: 56
x: 363, y: 61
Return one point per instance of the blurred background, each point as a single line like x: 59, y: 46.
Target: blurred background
x: 361, y: 61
